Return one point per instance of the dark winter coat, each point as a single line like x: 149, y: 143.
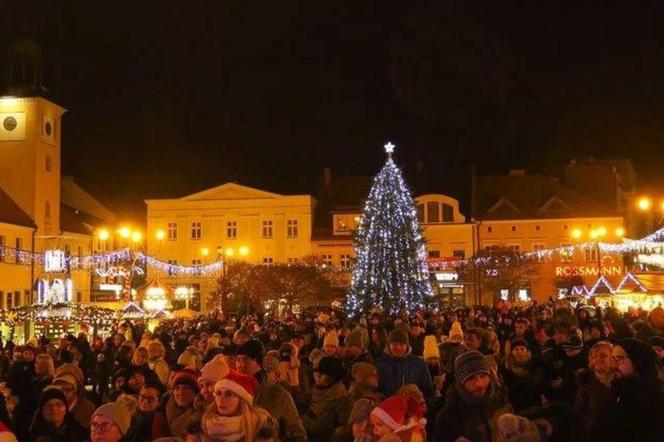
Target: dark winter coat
x: 526, y: 385
x: 279, y: 403
x: 394, y: 373
x: 634, y: 412
x: 69, y: 431
x: 328, y: 413
x: 467, y: 417
x: 591, y: 397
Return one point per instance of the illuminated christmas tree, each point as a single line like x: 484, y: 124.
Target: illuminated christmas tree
x: 391, y: 269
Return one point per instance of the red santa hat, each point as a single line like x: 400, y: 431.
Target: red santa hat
x: 394, y: 410
x: 242, y: 385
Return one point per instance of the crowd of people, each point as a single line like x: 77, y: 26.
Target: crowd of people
x: 542, y: 373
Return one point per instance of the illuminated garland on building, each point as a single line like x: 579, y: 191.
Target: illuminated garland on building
x: 391, y: 269
x: 59, y: 312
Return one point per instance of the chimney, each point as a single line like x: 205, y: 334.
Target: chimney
x: 517, y: 172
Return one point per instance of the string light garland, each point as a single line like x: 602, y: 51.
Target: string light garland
x: 391, y: 268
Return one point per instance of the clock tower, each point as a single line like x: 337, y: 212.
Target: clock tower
x: 30, y: 139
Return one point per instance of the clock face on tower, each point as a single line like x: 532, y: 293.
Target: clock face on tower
x: 9, y: 123
x: 47, y: 128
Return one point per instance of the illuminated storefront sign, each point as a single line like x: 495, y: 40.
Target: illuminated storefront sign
x: 588, y: 271
x: 447, y: 276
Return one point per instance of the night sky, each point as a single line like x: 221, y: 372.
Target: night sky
x: 166, y: 98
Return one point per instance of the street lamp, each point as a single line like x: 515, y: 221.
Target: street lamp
x: 136, y: 237
x: 160, y: 235
x: 205, y: 251
x: 103, y: 235
x: 124, y: 232
x: 644, y: 203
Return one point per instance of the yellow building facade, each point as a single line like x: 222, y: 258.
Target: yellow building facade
x: 30, y: 180
x: 228, y: 222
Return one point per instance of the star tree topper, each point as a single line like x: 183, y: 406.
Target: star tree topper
x: 389, y: 149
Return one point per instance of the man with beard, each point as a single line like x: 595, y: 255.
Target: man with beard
x: 594, y: 384
x: 523, y: 375
x: 635, y: 409
x: 473, y: 404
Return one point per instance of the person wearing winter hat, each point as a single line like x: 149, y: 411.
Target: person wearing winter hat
x: 53, y: 421
x: 392, y: 418
x: 110, y: 423
x: 6, y: 434
x: 331, y: 343
x: 180, y: 412
x: 575, y: 359
x: 398, y: 366
x: 211, y: 373
x: 635, y: 410
x: 249, y: 359
x: 358, y: 427
x: 523, y: 375
x: 274, y: 396
x: 512, y: 428
x: 456, y: 333
x: 80, y: 407
x: 354, y: 352
x: 330, y: 403
x: 473, y: 403
x: 188, y: 360
x: 365, y: 382
x: 233, y: 415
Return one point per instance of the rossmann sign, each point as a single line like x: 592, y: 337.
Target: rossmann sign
x: 588, y: 271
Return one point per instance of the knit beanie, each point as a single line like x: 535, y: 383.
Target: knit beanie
x: 361, y: 371
x: 573, y: 342
x: 456, y: 330
x: 399, y: 335
x: 331, y: 338
x: 72, y: 370
x: 431, y: 347
x: 361, y: 410
x: 188, y: 378
x: 355, y: 339
x: 52, y: 392
x: 118, y: 413
x: 252, y: 349
x: 642, y: 356
x: 242, y: 385
x: 331, y: 366
x: 657, y: 341
x: 216, y: 369
x: 516, y: 342
x: 469, y: 364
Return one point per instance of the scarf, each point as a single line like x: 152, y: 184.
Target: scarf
x: 320, y: 396
x: 224, y: 428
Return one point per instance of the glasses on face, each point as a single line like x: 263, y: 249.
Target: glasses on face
x: 147, y: 399
x: 226, y: 394
x: 101, y: 427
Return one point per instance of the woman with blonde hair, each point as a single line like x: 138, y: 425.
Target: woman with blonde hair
x: 233, y: 416
x: 156, y: 352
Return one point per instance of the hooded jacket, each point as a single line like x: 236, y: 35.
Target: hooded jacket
x: 394, y: 373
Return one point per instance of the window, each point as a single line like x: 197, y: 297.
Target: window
x: 2, y: 250
x: 267, y: 261
x: 196, y: 263
x: 345, y: 261
x: 489, y: 229
x: 267, y: 229
x: 514, y: 247
x: 47, y: 163
x: 19, y: 247
x: 291, y: 228
x: 459, y: 254
x: 420, y: 213
x: 17, y: 299
x: 292, y: 260
x: 27, y: 297
x: 448, y: 213
x: 10, y: 299
x: 538, y: 228
x: 327, y: 260
x: 47, y: 209
x: 591, y: 254
x: 434, y: 253
x: 196, y: 230
x: 433, y: 212
x: 172, y: 229
x: 565, y: 227
x: 172, y: 271
x: 231, y: 229
x: 513, y: 228
x: 567, y: 253
x: 538, y: 246
x: 2, y: 299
